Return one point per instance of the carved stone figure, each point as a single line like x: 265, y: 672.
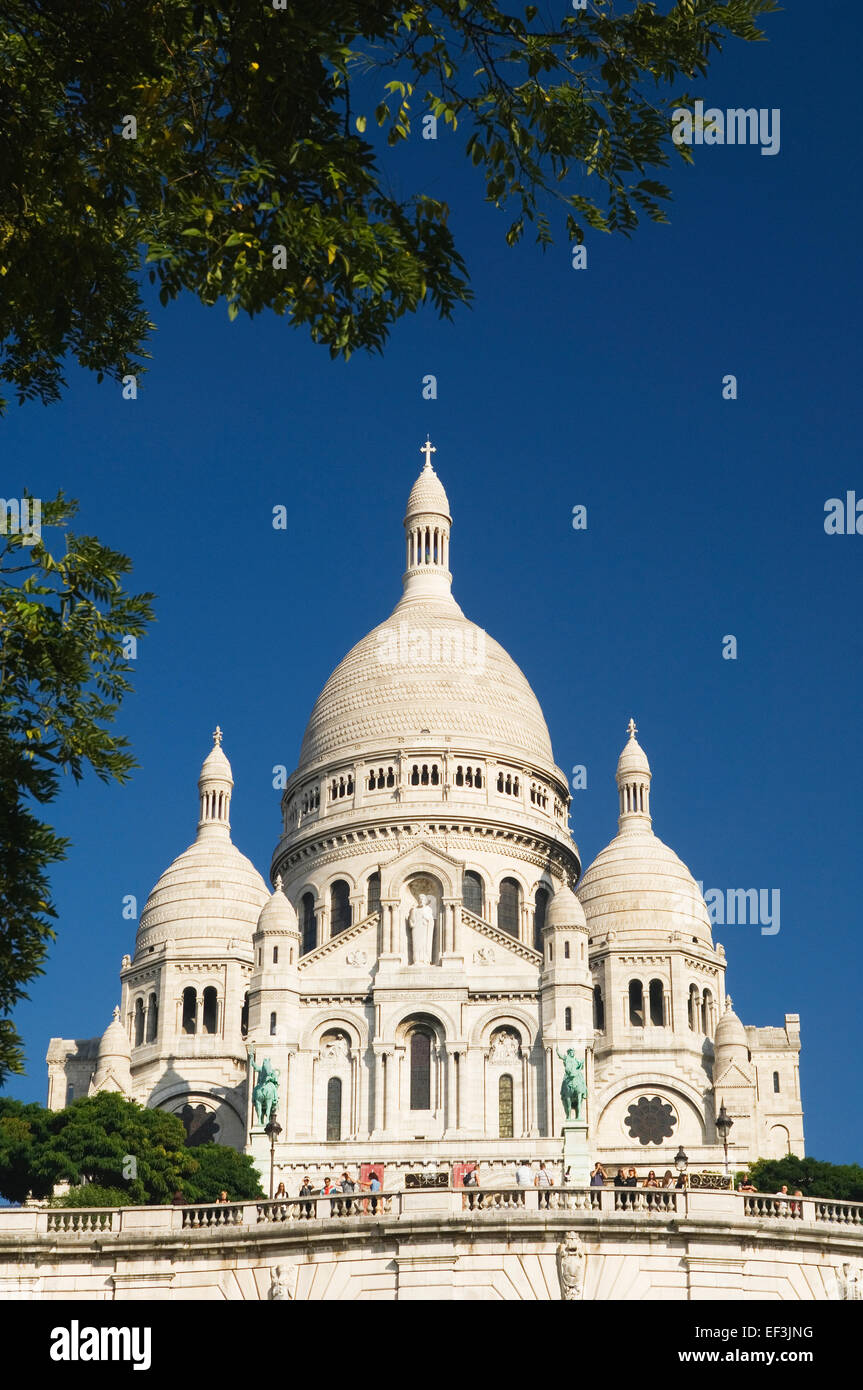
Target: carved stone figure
x: 504, y: 1046
x: 421, y: 920
x: 265, y: 1096
x: 849, y: 1287
x: 573, y: 1088
x: 357, y: 958
x: 571, y: 1260
x: 282, y: 1283
x: 335, y: 1048
x: 484, y: 956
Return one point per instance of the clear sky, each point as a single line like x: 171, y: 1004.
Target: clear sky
x: 599, y: 387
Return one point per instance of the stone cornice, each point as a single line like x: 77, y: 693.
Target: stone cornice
x: 501, y: 938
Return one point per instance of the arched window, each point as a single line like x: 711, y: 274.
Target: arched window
x: 244, y: 1016
x: 707, y: 1015
x: 211, y: 1009
x: 636, y: 1004
x: 472, y: 893
x: 139, y: 1022
x: 373, y: 893
x: 275, y: 955
x: 567, y: 1020
x: 340, y: 907
x: 334, y: 1108
x: 509, y: 907
x: 598, y: 1009
x: 566, y: 950
x: 272, y: 1025
x: 504, y: 1107
x: 420, y: 1062
x: 776, y: 1083
x: 190, y: 1010
x: 657, y: 1007
x: 694, y: 1008
x: 308, y: 925
x: 539, y: 911
x: 152, y: 1018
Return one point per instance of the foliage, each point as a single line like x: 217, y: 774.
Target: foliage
x: 23, y: 1129
x: 813, y: 1176
x: 221, y: 1169
x: 64, y: 616
x: 89, y: 1194
x: 90, y: 1143
x: 94, y: 1139
x: 253, y: 133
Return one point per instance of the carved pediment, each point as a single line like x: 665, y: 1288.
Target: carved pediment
x: 480, y: 939
x: 359, y: 942
x: 734, y: 1078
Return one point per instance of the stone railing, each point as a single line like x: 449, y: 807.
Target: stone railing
x: 20, y: 1223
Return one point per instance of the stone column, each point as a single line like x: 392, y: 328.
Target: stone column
x: 391, y: 1088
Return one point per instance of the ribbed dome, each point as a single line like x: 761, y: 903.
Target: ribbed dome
x: 638, y: 887
x: 114, y: 1042
x: 428, y: 495
x: 730, y: 1033
x: 211, y: 890
x: 565, y: 910
x: 277, y: 913
x: 426, y: 668
x: 633, y: 759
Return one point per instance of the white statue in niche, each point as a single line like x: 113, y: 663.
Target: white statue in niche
x: 421, y: 921
x: 334, y: 1048
x: 282, y: 1277
x: 848, y: 1284
x: 504, y: 1046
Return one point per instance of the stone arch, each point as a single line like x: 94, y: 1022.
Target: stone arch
x: 336, y: 873
x: 687, y: 1100
x: 227, y: 1112
x: 354, y: 1025
x: 494, y: 1018
x: 421, y: 859
x: 297, y: 894
x: 510, y: 871
x: 779, y: 1139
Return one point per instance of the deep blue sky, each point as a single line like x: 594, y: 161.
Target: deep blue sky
x: 560, y: 387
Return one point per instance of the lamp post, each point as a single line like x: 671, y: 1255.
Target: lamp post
x: 724, y: 1123
x: 681, y: 1163
x: 273, y: 1130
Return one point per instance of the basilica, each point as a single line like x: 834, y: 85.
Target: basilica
x: 428, y: 949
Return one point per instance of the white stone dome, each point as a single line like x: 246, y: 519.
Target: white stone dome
x: 428, y: 495
x: 427, y: 668
x: 565, y: 910
x: 638, y: 887
x: 210, y: 890
x: 277, y: 914
x: 730, y: 1036
x: 114, y: 1042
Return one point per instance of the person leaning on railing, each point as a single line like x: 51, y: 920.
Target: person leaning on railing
x: 306, y: 1190
x: 651, y: 1180
x: 471, y: 1181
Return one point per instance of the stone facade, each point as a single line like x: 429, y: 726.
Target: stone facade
x: 430, y: 948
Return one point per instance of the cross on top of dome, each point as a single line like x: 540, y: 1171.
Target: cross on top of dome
x: 217, y: 736
x: 428, y: 449
x: 632, y: 728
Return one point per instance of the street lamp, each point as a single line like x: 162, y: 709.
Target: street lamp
x: 681, y: 1161
x: 724, y: 1123
x: 273, y: 1130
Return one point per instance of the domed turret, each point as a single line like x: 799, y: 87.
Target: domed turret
x: 730, y: 1041
x: 565, y: 910
x: 277, y: 915
x: 637, y: 886
x: 113, y: 1060
x: 211, y: 889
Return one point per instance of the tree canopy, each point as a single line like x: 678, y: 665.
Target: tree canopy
x: 813, y: 1176
x: 104, y: 1145
x: 239, y: 152
x: 66, y: 623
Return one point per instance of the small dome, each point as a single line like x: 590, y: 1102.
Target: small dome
x: 277, y: 913
x: 114, y: 1041
x: 730, y: 1033
x: 565, y: 910
x: 210, y: 890
x: 428, y: 495
x: 638, y: 887
x: 633, y: 759
x: 216, y: 765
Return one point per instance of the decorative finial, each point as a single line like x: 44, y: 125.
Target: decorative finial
x: 217, y: 736
x: 632, y: 728
x: 428, y: 449
x: 116, y: 1013
x: 728, y: 1004
x: 278, y: 883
